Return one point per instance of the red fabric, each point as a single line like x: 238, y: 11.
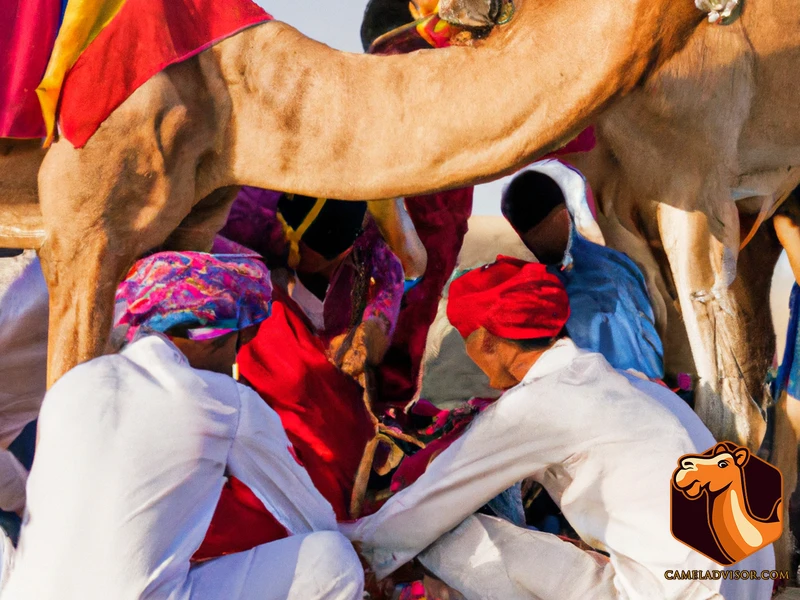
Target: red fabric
x: 240, y: 522
x: 322, y: 410
x: 324, y: 417
x: 30, y: 29
x: 511, y: 298
x: 585, y: 142
x: 143, y: 39
x: 441, y: 223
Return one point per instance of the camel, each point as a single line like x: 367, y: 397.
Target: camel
x: 720, y: 478
x: 270, y: 108
x: 686, y: 168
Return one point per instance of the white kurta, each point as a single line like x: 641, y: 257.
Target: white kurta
x: 23, y: 363
x: 604, y: 446
x: 132, y: 456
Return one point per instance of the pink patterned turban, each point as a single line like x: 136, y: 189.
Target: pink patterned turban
x: 201, y: 295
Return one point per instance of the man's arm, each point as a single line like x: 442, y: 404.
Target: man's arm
x: 517, y: 437
x: 398, y: 230
x: 261, y: 458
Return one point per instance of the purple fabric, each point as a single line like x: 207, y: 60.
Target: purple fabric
x: 208, y: 295
x: 385, y: 292
x: 253, y: 222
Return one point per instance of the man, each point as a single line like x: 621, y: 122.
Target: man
x: 23, y: 365
x: 602, y: 442
x: 550, y: 206
x: 135, y: 449
x: 319, y: 251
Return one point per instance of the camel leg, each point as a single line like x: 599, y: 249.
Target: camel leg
x: 751, y: 292
x: 81, y: 275
x: 703, y: 269
x: 197, y: 231
x: 119, y: 196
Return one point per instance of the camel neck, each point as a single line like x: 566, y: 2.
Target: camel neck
x: 308, y: 119
x: 733, y: 521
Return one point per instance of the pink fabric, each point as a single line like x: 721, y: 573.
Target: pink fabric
x: 253, y: 222
x: 209, y: 295
x: 29, y: 32
x: 385, y: 292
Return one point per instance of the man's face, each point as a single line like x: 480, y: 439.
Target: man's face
x: 549, y: 238
x: 312, y: 262
x: 217, y: 354
x: 485, y: 351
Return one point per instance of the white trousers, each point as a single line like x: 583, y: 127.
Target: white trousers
x: 486, y: 558
x: 132, y: 455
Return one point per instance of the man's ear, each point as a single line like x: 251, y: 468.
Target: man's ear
x: 488, y: 341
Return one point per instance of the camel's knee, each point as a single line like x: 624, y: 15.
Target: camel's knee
x: 82, y: 282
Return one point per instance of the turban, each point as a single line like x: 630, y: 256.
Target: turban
x: 203, y: 295
x: 511, y: 299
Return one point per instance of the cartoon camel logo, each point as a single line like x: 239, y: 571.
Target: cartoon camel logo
x: 719, y: 476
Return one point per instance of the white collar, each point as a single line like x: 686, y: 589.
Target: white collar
x: 153, y: 343
x: 562, y: 353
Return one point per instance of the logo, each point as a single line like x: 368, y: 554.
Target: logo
x: 726, y: 503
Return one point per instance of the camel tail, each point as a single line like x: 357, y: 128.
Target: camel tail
x: 21, y: 226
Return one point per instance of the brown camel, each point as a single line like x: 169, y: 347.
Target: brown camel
x: 271, y: 108
x: 686, y: 167
x: 720, y: 477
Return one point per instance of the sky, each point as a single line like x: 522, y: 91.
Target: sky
x: 337, y: 23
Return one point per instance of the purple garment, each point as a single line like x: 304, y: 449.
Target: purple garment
x: 253, y: 222
x: 385, y: 291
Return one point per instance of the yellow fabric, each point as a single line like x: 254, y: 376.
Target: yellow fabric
x: 83, y: 20
x: 293, y: 236
x: 423, y: 8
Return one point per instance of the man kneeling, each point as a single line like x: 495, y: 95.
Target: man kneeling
x: 602, y: 442
x: 134, y: 450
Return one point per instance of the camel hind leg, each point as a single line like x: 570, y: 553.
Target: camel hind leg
x: 719, y: 319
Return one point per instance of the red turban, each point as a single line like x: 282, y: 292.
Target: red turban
x: 511, y: 298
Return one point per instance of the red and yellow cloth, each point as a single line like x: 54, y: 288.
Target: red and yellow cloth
x: 105, y: 49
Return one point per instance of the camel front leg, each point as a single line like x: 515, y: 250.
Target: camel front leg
x: 704, y: 269
x: 82, y: 277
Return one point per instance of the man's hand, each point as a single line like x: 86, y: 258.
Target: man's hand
x: 375, y: 590
x: 438, y: 590
x: 367, y: 347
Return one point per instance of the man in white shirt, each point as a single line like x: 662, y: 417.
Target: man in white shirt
x: 134, y: 450
x: 603, y: 444
x: 23, y: 364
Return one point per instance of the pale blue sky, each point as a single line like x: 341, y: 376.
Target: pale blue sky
x: 337, y: 23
